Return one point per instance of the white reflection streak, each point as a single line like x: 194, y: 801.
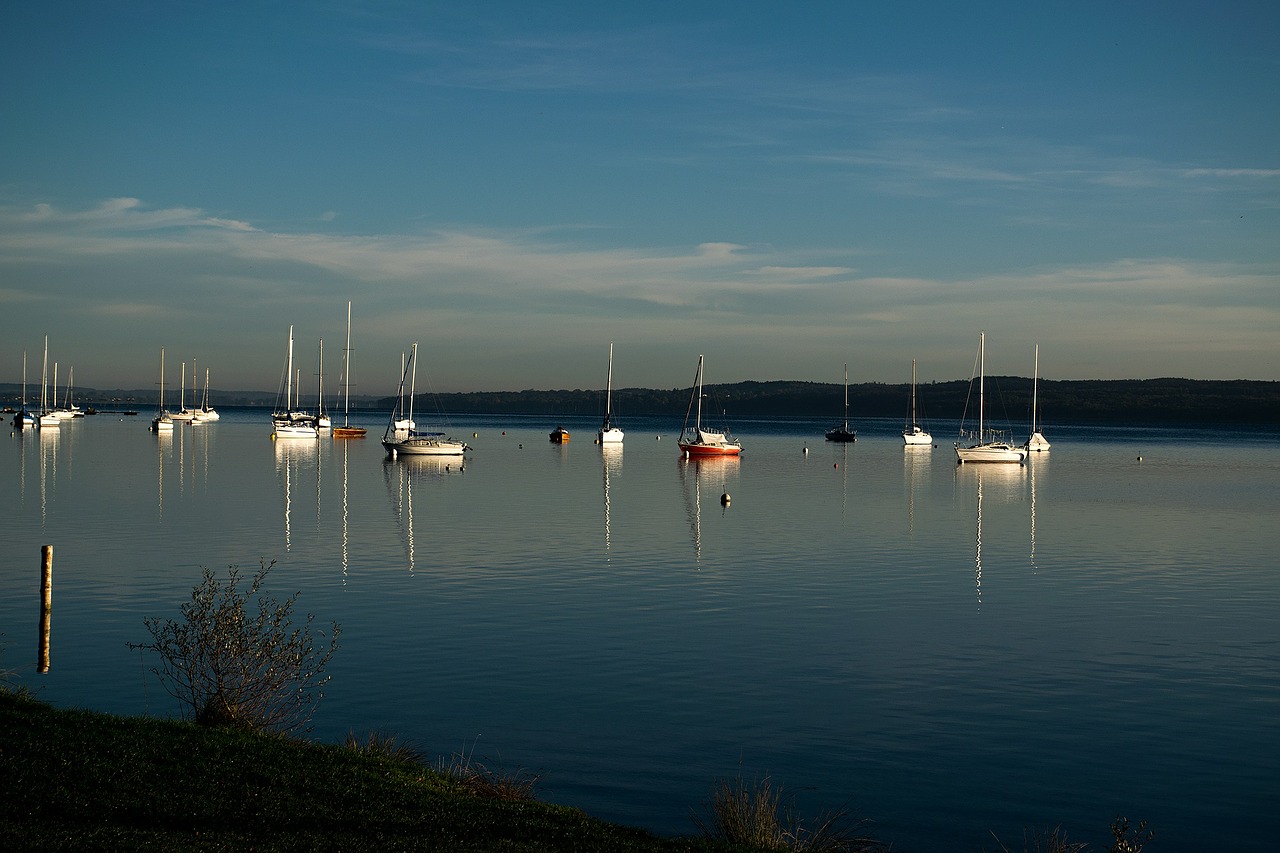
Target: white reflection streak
x: 978, y: 548
x: 344, y: 512
x: 1033, y: 516
x: 611, y: 457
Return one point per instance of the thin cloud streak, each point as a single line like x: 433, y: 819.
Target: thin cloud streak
x: 514, y: 309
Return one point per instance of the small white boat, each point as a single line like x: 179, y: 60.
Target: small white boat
x: 700, y: 441
x: 184, y: 414
x: 915, y: 435
x: 987, y: 448
x: 46, y: 419
x: 207, y: 412
x: 163, y: 421
x: 288, y: 422
x: 1036, y: 442
x: 408, y: 442
x: 609, y: 434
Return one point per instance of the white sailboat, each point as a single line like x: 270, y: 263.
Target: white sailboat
x: 914, y: 435
x: 609, y: 434
x: 207, y: 412
x: 47, y: 419
x: 987, y: 448
x: 1036, y: 442
x: 843, y: 433
x: 183, y: 413
x: 700, y: 440
x: 347, y: 430
x: 409, y: 442
x: 403, y: 424
x: 323, y: 421
x: 163, y: 421
x: 287, y: 421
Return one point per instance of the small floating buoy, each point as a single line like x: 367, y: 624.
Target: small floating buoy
x: 504, y: 432
x: 724, y: 499
x: 475, y: 435
x: 521, y: 446
x: 1139, y: 458
x: 837, y: 465
x: 657, y: 438
x: 806, y: 450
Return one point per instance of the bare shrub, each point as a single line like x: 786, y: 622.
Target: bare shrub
x: 755, y: 815
x: 229, y: 664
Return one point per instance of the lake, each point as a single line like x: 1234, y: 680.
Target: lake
x: 949, y: 651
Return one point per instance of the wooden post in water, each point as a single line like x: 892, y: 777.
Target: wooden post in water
x: 46, y: 606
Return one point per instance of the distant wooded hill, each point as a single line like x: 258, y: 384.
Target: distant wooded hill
x: 1074, y: 401
x: 1124, y: 400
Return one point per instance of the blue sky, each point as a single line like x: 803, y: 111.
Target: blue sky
x: 783, y: 187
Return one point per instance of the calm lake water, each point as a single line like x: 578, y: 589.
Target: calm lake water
x: 951, y: 652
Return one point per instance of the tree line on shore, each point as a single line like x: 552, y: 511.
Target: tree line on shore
x: 1148, y: 401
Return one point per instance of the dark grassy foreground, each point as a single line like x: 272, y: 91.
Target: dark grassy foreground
x: 77, y: 780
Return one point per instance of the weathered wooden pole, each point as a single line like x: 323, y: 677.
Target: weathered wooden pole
x: 46, y: 606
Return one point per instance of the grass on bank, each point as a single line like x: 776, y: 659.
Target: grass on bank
x: 82, y: 780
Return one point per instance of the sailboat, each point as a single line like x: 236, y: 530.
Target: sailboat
x: 347, y: 430
x: 843, y: 433
x: 24, y: 419
x: 47, y: 418
x: 700, y: 440
x: 288, y: 422
x: 609, y: 434
x: 987, y: 449
x: 914, y: 435
x: 183, y: 413
x: 410, y: 442
x: 163, y: 421
x: 1037, y: 442
x: 323, y: 421
x: 207, y: 412
x: 403, y: 425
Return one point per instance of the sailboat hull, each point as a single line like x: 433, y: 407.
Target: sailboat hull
x: 992, y: 452
x: 1037, y: 443
x: 841, y: 434
x: 917, y: 438
x: 702, y: 451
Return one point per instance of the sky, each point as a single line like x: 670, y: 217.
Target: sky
x: 784, y: 188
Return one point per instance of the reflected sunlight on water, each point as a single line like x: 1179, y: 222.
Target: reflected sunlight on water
x: 950, y: 651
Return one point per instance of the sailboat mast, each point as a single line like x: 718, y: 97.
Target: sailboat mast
x: 608, y: 389
x: 346, y: 370
x: 320, y: 381
x: 913, y: 392
x: 44, y: 378
x: 288, y: 375
x: 846, y: 397
x: 982, y: 390
x: 698, y: 420
x: 413, y: 379
x: 1035, y: 382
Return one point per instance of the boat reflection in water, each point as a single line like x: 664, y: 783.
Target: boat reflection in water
x: 697, y: 472
x: 917, y: 466
x: 291, y: 458
x: 611, y: 466
x: 1001, y: 483
x: 401, y: 474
